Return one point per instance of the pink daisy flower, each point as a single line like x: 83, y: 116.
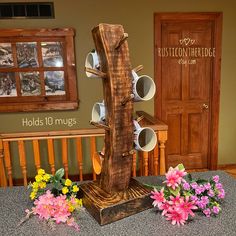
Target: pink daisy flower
x: 180, y: 173
x: 165, y: 207
x: 175, y: 201
x: 176, y: 217
x: 186, y: 207
x: 172, y: 178
x: 158, y: 197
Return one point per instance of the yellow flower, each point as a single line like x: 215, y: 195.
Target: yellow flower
x: 46, y: 177
x: 79, y: 202
x: 71, y: 208
x: 35, y: 190
x: 38, y: 178
x: 41, y: 172
x: 35, y: 185
x: 32, y: 195
x: 68, y: 182
x: 42, y: 185
x: 65, y: 190
x: 75, y: 189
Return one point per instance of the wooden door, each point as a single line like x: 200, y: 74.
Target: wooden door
x: 187, y: 74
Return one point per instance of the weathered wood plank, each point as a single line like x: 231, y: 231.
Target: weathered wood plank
x: 111, y: 45
x: 107, y: 208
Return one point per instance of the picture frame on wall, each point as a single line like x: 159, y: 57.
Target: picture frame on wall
x: 37, y: 70
x: 6, y: 57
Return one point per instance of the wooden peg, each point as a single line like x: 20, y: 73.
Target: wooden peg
x: 100, y: 125
x: 138, y: 68
x: 131, y: 152
x: 139, y: 118
x: 127, y: 99
x: 122, y: 40
x: 95, y: 72
x: 101, y: 154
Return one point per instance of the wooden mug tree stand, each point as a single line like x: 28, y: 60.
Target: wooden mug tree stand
x: 115, y: 195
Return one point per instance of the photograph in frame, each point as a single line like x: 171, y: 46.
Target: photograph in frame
x: 6, y: 57
x: 54, y: 83
x: 52, y: 53
x: 7, y: 84
x: 27, y: 55
x: 30, y: 83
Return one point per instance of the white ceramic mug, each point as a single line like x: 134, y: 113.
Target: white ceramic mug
x: 144, y: 87
x: 98, y: 112
x: 92, y: 62
x: 145, y: 139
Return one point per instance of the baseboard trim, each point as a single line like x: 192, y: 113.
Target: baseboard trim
x: 227, y: 166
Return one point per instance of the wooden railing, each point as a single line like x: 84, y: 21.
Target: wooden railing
x: 152, y: 163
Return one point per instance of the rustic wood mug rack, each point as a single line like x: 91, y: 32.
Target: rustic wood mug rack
x: 115, y: 195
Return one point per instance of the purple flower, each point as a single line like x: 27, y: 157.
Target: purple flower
x: 215, y: 210
x: 211, y: 193
x: 200, y: 189
x: 186, y: 186
x: 201, y: 205
x: 207, y: 212
x: 207, y: 186
x: 194, y: 198
x: 216, y: 178
x: 219, y: 186
x: 194, y: 185
x: 205, y: 200
x: 221, y: 194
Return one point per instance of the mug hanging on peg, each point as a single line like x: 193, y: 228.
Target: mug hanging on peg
x: 145, y: 138
x: 92, y: 65
x: 144, y: 87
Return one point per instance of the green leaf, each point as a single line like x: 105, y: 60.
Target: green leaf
x: 59, y: 174
x: 57, y: 185
x: 186, y: 193
x: 174, y: 192
x: 180, y: 166
x: 202, y: 181
x: 157, y: 187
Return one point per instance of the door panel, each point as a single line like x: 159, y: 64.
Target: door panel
x: 186, y: 90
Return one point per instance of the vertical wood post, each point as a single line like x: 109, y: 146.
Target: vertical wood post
x: 7, y: 160
x: 65, y: 156
x: 145, y: 163
x: 134, y: 164
x: 162, y: 137
x: 116, y: 195
x: 3, y: 179
x: 36, y: 154
x: 21, y: 149
x: 155, y: 159
x: 111, y: 45
x: 92, y: 152
x: 79, y: 155
x: 51, y: 156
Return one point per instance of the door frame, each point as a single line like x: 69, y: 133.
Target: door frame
x: 216, y: 18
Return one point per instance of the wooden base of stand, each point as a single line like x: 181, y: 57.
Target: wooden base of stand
x: 109, y: 208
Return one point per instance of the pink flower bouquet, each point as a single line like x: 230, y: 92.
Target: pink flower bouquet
x: 54, y: 198
x: 181, y: 195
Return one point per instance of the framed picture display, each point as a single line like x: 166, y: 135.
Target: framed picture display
x: 37, y: 70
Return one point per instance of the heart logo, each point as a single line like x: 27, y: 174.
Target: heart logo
x: 187, y: 41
